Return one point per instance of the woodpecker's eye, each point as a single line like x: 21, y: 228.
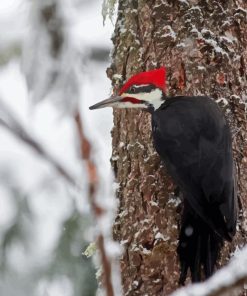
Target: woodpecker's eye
x: 132, y: 90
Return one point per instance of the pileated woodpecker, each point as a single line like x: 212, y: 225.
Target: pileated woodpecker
x: 192, y: 137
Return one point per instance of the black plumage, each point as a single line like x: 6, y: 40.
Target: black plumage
x: 193, y: 138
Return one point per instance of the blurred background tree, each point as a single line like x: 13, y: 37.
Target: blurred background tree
x: 51, y: 53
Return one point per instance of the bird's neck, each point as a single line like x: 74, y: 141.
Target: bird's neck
x: 157, y: 103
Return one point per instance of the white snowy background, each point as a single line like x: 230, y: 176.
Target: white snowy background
x: 44, y: 223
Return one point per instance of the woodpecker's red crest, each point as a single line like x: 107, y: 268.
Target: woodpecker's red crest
x: 156, y: 77
x: 143, y: 90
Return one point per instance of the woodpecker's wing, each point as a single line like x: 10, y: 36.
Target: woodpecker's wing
x: 193, y: 138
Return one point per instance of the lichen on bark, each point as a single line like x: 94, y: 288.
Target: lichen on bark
x: 203, y: 46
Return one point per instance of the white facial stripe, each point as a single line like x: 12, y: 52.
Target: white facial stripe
x: 154, y: 98
x: 129, y: 105
x: 140, y: 85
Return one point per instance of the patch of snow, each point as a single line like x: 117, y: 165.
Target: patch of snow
x: 228, y: 275
x: 222, y: 100
x: 161, y: 237
x: 114, y: 158
x: 146, y: 251
x: 185, y: 2
x: 171, y: 33
x: 174, y: 201
x: 201, y: 68
x: 124, y: 242
x: 157, y: 281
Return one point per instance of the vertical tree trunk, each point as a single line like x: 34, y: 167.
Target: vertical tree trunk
x: 203, y: 45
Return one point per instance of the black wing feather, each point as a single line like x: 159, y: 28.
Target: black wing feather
x: 192, y: 137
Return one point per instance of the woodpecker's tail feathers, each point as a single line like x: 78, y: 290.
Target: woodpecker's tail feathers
x: 198, y: 248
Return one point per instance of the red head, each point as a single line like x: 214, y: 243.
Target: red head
x: 143, y: 90
x: 155, y: 77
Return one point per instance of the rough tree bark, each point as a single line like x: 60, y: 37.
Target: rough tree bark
x: 203, y: 44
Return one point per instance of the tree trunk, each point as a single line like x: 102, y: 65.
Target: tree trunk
x: 203, y: 45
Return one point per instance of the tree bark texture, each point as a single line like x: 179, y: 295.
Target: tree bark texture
x: 203, y: 45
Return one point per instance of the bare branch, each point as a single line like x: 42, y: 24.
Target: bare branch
x: 10, y: 123
x: 226, y: 281
x: 86, y: 154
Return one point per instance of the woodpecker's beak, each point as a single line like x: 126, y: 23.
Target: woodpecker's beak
x: 111, y: 102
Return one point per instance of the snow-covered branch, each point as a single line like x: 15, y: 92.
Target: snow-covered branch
x: 98, y: 211
x: 226, y: 281
x: 51, y: 63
